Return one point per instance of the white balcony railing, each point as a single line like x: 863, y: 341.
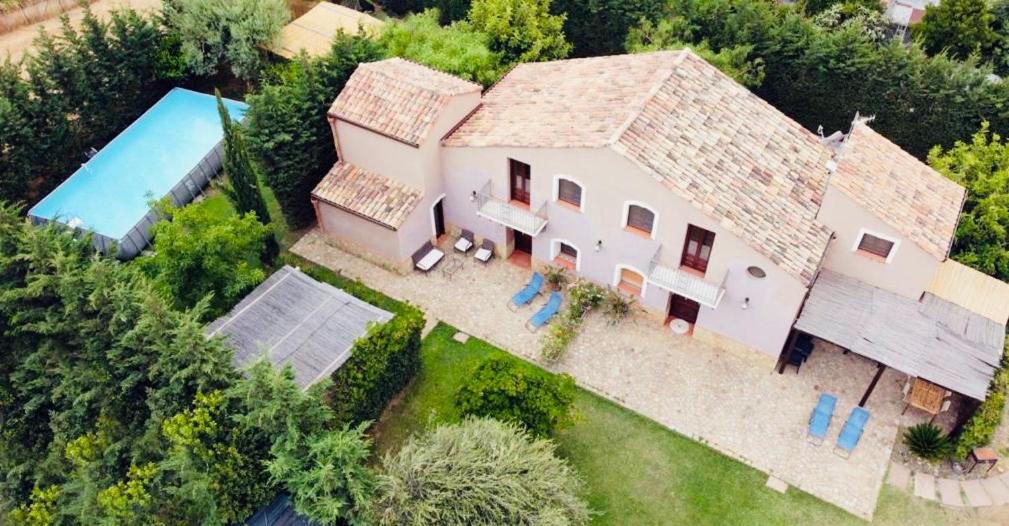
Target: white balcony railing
x: 509, y: 215
x: 686, y: 284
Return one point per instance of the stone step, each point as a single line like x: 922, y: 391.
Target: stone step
x: 997, y: 490
x: 898, y: 476
x: 949, y: 492
x: 975, y: 493
x: 924, y: 486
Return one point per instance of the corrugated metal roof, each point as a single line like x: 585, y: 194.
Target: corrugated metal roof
x: 293, y: 319
x: 932, y: 339
x: 972, y: 290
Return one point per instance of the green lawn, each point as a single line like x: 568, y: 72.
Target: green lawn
x: 637, y: 472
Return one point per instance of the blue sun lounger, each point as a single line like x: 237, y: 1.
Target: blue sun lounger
x: 527, y: 294
x: 546, y: 312
x: 819, y: 421
x: 852, y: 431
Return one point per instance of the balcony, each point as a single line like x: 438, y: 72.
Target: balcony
x: 686, y: 284
x: 509, y: 215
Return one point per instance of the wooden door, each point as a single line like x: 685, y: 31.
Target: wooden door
x: 523, y: 242
x: 519, y: 174
x: 683, y: 308
x: 697, y: 248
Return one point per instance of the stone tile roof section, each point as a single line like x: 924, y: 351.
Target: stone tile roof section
x: 367, y: 194
x: 902, y: 191
x: 397, y: 98
x: 705, y: 137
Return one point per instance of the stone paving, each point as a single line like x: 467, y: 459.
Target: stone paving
x: 732, y: 400
x: 992, y: 491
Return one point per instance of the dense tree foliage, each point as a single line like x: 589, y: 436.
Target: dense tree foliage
x: 233, y: 32
x: 982, y: 166
x: 823, y: 76
x: 521, y: 30
x: 504, y: 389
x: 452, y: 49
x: 599, y: 27
x: 478, y: 472
x: 79, y: 88
x: 960, y: 27
x: 287, y: 127
x: 199, y: 255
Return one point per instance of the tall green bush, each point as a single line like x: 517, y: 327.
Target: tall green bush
x: 287, y: 127
x: 979, y: 430
x: 506, y: 389
x: 599, y: 27
x: 380, y: 365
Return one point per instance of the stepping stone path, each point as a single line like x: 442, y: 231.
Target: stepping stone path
x: 777, y: 484
x: 977, y: 493
x: 461, y: 337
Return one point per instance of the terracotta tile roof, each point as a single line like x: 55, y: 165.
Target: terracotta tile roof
x: 367, y: 194
x: 708, y: 139
x: 902, y: 191
x: 397, y: 98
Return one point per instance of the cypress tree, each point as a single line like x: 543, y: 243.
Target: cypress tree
x: 243, y: 188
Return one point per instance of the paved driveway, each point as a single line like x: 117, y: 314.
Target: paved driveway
x: 732, y: 400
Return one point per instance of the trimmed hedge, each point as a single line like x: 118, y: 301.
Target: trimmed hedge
x: 505, y: 389
x: 380, y: 366
x: 980, y: 429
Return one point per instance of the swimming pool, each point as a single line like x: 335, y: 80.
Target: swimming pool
x: 172, y: 149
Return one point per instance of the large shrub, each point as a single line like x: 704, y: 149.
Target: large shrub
x: 981, y: 427
x: 478, y: 472
x: 199, y: 254
x: 521, y: 30
x: 235, y: 32
x: 508, y: 390
x: 287, y: 127
x: 599, y: 27
x: 380, y: 365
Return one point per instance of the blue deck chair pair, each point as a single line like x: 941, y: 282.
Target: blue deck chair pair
x: 852, y: 431
x: 546, y: 312
x: 819, y: 421
x: 524, y: 296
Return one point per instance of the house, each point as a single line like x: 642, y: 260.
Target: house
x: 658, y: 175
x: 292, y: 319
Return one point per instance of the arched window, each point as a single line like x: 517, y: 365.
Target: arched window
x: 569, y: 192
x: 640, y: 219
x: 629, y: 280
x: 565, y: 254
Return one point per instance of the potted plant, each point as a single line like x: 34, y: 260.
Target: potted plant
x: 556, y: 277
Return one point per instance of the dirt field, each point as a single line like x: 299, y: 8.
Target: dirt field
x: 17, y: 42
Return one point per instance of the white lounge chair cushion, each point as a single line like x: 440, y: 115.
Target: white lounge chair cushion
x: 483, y: 254
x: 430, y: 259
x: 463, y: 244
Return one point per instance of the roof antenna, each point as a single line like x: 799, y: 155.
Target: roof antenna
x: 819, y: 131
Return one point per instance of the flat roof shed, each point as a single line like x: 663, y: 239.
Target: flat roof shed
x: 293, y: 319
x: 933, y: 339
x: 315, y: 30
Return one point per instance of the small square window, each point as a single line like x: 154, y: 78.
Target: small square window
x: 640, y: 218
x: 876, y: 246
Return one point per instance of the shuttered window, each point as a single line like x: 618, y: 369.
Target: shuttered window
x: 875, y: 245
x: 640, y: 218
x: 569, y: 192
x: 568, y: 251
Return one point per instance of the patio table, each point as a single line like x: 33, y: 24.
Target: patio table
x: 452, y: 265
x: 926, y: 396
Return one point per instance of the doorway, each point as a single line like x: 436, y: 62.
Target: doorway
x: 438, y: 213
x: 520, y: 175
x: 682, y: 308
x: 523, y: 242
x: 522, y: 250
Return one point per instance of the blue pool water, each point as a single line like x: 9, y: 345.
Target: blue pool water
x: 111, y: 193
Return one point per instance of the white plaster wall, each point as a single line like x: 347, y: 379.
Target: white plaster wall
x: 909, y: 271
x: 608, y: 181
x: 377, y: 241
